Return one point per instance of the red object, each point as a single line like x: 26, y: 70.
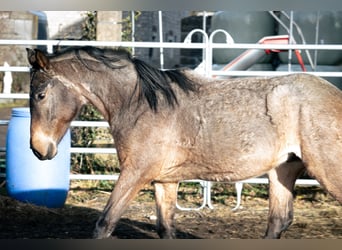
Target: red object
x: 284, y: 39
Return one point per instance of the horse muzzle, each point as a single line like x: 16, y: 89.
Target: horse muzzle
x: 43, y: 150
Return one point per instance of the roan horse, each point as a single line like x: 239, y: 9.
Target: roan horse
x: 175, y: 125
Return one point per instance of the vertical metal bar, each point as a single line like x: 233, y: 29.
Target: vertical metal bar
x: 133, y: 30
x: 50, y: 48
x: 316, y: 37
x: 204, y: 27
x: 238, y: 188
x: 160, y: 17
x: 290, y: 41
x: 207, y: 194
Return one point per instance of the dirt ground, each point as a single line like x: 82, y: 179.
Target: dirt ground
x: 316, y: 215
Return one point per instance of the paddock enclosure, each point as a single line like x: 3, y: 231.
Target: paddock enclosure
x: 215, y: 223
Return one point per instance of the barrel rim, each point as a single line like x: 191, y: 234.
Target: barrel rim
x: 21, y: 112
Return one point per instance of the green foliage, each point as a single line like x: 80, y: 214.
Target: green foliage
x: 126, y: 23
x: 89, y: 26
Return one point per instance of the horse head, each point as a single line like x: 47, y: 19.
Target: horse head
x: 52, y: 105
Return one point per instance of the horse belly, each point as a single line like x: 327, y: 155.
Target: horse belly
x: 229, y: 154
x: 233, y: 167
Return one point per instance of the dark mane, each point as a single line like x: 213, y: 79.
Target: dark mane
x: 151, y: 80
x: 107, y: 56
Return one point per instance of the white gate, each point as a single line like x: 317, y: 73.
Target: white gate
x: 205, y: 68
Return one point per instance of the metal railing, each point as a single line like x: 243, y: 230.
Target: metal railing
x: 207, y: 46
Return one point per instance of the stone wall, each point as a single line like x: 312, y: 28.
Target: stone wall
x: 65, y: 24
x: 18, y: 25
x: 108, y: 26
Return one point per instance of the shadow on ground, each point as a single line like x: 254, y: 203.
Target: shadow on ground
x: 21, y: 220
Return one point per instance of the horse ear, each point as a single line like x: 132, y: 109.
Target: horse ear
x: 38, y: 59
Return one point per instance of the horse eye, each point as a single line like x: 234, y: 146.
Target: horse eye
x: 40, y: 96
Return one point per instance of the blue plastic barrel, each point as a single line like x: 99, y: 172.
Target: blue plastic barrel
x: 43, y: 183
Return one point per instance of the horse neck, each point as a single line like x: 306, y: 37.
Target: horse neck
x: 108, y: 91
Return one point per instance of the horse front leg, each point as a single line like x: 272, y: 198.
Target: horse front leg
x: 282, y: 180
x: 126, y: 188
x: 166, y: 195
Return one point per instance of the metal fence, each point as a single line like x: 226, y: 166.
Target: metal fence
x: 206, y: 68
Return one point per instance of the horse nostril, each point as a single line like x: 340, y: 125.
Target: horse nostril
x: 37, y: 154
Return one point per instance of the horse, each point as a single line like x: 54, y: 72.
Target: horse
x: 174, y: 125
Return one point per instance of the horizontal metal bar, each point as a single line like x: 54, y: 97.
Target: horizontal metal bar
x: 307, y: 182
x: 89, y: 124
x: 113, y: 177
x: 181, y: 45
x: 83, y: 150
x: 104, y: 43
x: 276, y: 46
x: 271, y: 73
x: 93, y: 150
x: 214, y: 73
x: 255, y: 181
x: 74, y: 123
x: 303, y: 182
x: 15, y: 96
x: 14, y: 69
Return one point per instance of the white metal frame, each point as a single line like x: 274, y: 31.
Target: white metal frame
x: 207, y: 47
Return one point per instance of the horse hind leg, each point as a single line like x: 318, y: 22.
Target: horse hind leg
x: 321, y: 143
x: 282, y: 180
x: 325, y: 167
x: 165, y: 195
x: 329, y: 176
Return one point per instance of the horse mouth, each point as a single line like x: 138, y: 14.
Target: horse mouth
x: 38, y: 155
x: 48, y: 156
